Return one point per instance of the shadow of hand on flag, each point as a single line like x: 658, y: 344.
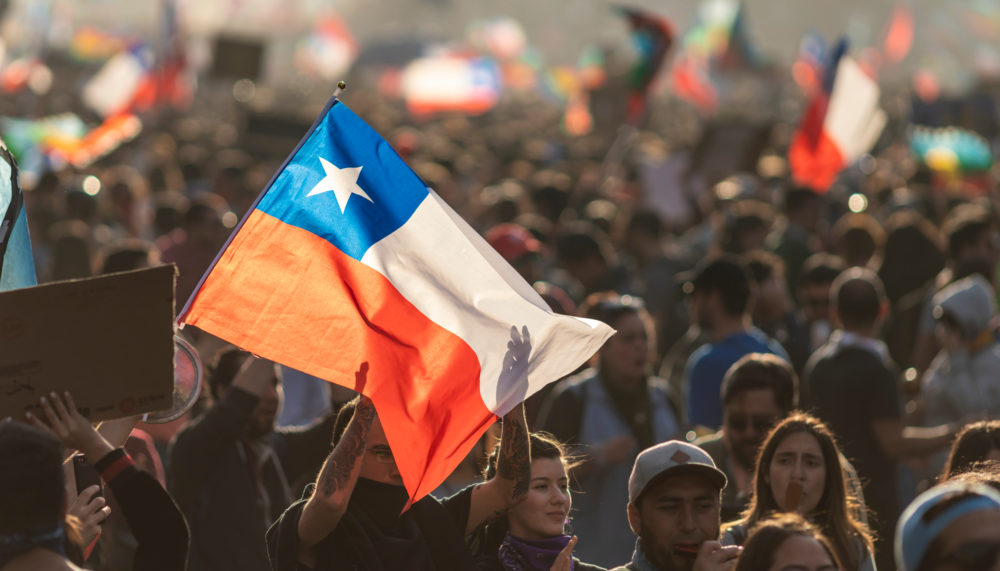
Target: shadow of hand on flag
x: 513, y: 380
x: 361, y: 377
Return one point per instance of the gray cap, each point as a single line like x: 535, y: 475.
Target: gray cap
x: 671, y: 457
x: 970, y: 302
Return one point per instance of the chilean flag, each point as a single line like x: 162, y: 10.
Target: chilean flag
x: 452, y: 82
x: 349, y: 262
x: 842, y: 122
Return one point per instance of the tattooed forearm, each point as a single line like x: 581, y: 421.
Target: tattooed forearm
x: 347, y: 455
x: 514, y: 463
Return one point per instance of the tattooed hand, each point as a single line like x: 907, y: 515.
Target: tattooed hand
x: 348, y: 453
x: 336, y: 480
x: 514, y: 463
x: 366, y: 410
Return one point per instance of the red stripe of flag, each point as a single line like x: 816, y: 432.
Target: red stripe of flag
x: 320, y: 306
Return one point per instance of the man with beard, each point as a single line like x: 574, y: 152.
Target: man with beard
x: 673, y: 508
x: 758, y: 390
x: 230, y: 471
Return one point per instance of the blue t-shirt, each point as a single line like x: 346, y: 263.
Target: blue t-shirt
x: 708, y: 365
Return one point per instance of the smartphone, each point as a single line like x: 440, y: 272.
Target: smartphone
x: 86, y: 475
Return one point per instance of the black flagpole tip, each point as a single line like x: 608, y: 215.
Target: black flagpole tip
x: 342, y: 84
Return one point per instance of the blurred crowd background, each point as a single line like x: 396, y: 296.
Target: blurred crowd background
x: 145, y: 130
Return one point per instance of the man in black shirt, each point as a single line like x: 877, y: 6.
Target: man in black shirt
x: 853, y: 388
x: 350, y: 518
x: 231, y: 472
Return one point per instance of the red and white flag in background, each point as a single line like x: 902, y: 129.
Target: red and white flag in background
x: 840, y: 124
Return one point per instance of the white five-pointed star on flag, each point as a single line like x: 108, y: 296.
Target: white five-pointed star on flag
x: 343, y: 182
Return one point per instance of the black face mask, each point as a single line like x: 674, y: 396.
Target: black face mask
x: 382, y: 503
x: 398, y: 542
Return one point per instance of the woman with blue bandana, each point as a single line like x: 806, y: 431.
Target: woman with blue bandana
x: 953, y: 526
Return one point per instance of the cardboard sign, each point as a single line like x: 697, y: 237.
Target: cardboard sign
x: 108, y: 340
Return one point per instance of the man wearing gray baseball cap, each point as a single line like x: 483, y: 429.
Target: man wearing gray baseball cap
x: 673, y: 507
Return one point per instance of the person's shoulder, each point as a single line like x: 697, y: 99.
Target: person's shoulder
x: 584, y: 376
x: 774, y: 346
x: 658, y: 384
x: 821, y: 366
x: 831, y: 353
x: 756, y: 335
x: 715, y: 447
x: 460, y: 496
x: 862, y: 358
x: 456, y: 506
x: 703, y: 356
x: 852, y: 365
x: 710, y: 442
x: 626, y: 567
x: 185, y: 435
x: 818, y: 355
x: 701, y: 351
x: 574, y: 385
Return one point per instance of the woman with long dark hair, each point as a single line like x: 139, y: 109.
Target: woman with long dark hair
x: 532, y: 534
x: 798, y: 470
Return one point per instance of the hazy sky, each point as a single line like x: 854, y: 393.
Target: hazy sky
x: 559, y: 28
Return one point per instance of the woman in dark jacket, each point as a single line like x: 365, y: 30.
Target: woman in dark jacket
x: 532, y: 534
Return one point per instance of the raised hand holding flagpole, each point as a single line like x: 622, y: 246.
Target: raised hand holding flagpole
x: 346, y: 257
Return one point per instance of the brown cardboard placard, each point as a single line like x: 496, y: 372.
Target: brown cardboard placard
x: 108, y: 340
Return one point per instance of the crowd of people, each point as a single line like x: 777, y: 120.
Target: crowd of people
x: 791, y: 382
